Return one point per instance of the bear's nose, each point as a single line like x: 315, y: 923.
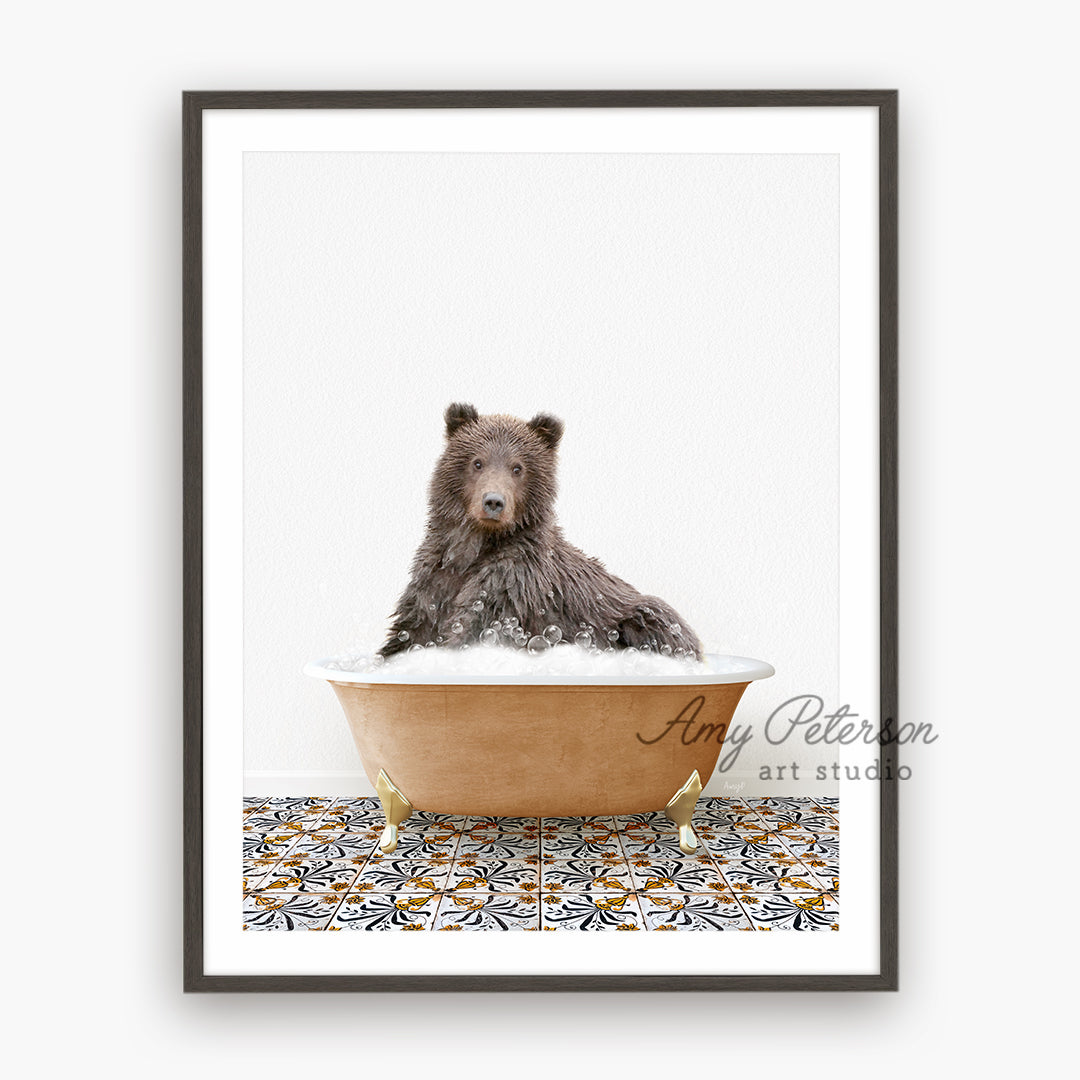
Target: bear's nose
x: 494, y: 504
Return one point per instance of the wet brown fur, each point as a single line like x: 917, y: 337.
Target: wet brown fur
x: 520, y: 561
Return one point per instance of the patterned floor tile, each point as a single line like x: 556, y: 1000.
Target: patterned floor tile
x: 719, y: 802
x: 310, y: 876
x: 682, y: 875
x: 258, y: 845
x: 764, y: 876
x: 336, y: 845
x: 710, y: 830
x: 425, y: 844
x: 734, y: 845
x: 471, y: 873
x: 385, y: 911
x: 587, y: 875
x: 441, y: 833
x: 827, y: 873
x: 693, y: 911
x: 314, y: 863
x: 356, y: 803
x: 284, y: 911
x: 742, y: 820
x: 503, y: 824
x: 822, y: 846
x: 281, y: 821
x: 566, y: 844
x: 487, y: 911
x: 590, y: 911
x: 390, y: 874
x: 498, y: 845
x: 594, y: 834
x: 813, y: 821
x: 650, y: 822
x: 579, y: 824
x: 775, y: 803
x: 304, y: 802
x: 354, y: 817
x: 424, y: 820
x: 254, y: 872
x: 660, y: 846
x: 786, y: 911
x: 739, y: 824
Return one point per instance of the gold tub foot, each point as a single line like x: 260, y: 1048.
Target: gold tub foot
x: 396, y: 808
x: 681, y: 810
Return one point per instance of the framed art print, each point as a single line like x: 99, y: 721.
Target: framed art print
x: 540, y: 540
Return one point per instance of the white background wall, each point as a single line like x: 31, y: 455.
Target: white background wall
x: 677, y: 311
x: 92, y: 449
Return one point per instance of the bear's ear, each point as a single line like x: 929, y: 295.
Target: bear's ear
x: 458, y: 415
x: 549, y: 428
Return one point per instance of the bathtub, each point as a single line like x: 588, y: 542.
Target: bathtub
x: 540, y: 745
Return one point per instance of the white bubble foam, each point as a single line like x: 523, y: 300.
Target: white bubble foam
x: 563, y: 659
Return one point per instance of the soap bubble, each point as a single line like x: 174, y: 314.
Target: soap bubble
x: 403, y: 635
x: 613, y: 635
x: 496, y: 625
x: 483, y: 593
x: 676, y: 628
x: 457, y: 628
x: 478, y: 605
x: 553, y: 634
x: 577, y: 656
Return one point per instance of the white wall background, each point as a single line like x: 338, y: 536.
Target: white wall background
x: 678, y: 311
x: 91, y: 441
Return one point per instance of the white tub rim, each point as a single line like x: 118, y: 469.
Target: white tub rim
x: 748, y: 670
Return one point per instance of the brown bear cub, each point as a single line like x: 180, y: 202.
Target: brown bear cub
x: 494, y: 556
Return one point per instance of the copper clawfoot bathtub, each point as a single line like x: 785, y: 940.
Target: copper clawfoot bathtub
x: 541, y: 745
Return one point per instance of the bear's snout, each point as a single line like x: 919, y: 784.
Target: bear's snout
x: 494, y: 505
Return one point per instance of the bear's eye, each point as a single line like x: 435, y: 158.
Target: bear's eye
x: 516, y: 470
x: 478, y: 464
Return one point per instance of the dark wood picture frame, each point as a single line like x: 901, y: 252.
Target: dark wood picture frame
x: 194, y: 105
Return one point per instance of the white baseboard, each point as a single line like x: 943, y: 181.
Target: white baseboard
x: 742, y: 785
x: 296, y: 782
x: 340, y: 783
